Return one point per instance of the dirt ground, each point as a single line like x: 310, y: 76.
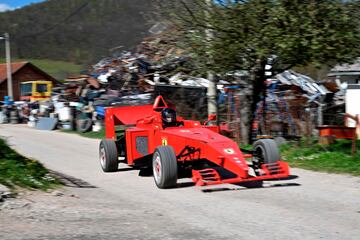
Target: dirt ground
x: 84, y: 213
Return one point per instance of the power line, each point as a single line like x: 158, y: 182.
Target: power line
x: 76, y: 11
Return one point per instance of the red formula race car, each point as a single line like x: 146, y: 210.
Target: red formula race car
x: 153, y: 137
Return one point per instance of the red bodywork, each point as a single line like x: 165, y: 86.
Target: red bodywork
x: 191, y: 142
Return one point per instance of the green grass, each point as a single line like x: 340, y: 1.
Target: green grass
x: 333, y: 158
x: 96, y: 135
x: 16, y: 170
x: 57, y: 69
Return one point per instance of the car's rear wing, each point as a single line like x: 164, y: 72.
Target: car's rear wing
x: 129, y: 115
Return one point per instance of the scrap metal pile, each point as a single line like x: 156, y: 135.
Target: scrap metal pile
x: 295, y: 104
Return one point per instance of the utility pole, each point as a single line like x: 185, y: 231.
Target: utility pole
x: 8, y: 66
x: 211, y: 90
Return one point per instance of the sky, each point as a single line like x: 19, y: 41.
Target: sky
x: 12, y: 4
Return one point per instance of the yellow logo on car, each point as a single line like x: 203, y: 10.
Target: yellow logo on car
x: 164, y: 141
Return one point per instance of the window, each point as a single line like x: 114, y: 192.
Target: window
x: 26, y: 89
x: 41, y: 88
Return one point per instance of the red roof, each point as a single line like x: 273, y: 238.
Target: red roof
x: 14, y: 68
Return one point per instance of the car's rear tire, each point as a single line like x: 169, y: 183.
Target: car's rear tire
x: 108, y: 155
x: 164, y: 165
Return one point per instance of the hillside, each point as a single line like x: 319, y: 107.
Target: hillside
x: 57, y: 69
x: 79, y: 31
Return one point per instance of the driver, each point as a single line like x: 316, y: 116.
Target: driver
x: 168, y: 117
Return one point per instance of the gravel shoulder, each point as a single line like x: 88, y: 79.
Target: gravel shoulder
x: 123, y: 205
x: 71, y: 213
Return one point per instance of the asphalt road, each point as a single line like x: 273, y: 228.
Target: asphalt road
x: 308, y: 206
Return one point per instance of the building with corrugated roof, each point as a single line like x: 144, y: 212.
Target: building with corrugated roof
x: 21, y: 72
x: 349, y: 73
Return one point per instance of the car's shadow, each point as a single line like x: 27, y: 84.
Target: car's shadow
x: 125, y: 169
x: 290, y: 177
x: 255, y: 184
x: 244, y: 188
x: 147, y: 172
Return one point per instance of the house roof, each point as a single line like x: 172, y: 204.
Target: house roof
x: 15, y: 67
x: 346, y: 69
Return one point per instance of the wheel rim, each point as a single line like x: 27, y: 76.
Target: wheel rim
x: 157, y: 168
x: 260, y: 155
x: 102, y: 157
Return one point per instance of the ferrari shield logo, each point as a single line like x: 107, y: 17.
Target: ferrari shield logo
x: 229, y: 151
x: 164, y: 141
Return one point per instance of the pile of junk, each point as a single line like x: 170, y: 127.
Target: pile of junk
x: 295, y: 105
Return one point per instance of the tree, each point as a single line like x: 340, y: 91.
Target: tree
x: 248, y: 35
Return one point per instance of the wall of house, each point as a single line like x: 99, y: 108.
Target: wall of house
x: 3, y: 90
x: 350, y: 79
x: 352, y: 100
x: 23, y: 75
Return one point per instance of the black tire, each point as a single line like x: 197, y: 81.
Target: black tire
x: 108, y: 155
x: 164, y: 165
x: 266, y: 151
x: 84, y: 125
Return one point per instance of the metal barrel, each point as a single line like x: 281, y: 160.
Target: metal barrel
x: 3, y: 117
x: 14, y: 117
